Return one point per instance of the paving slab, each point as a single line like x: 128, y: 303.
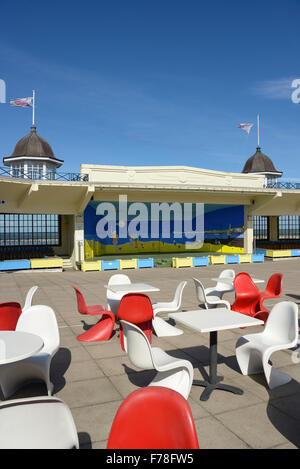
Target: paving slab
x: 94, y: 378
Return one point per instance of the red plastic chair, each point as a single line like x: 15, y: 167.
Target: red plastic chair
x: 247, y: 294
x: 273, y: 290
x: 9, y: 315
x: 153, y: 418
x: 100, y: 331
x: 137, y: 309
x: 83, y: 308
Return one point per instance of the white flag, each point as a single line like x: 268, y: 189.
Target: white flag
x: 246, y: 127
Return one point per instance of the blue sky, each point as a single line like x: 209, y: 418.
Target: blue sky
x: 160, y: 82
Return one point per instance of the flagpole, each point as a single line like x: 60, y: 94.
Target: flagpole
x: 258, y: 130
x: 33, y: 107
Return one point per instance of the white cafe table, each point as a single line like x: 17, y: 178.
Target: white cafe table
x: 212, y: 321
x: 18, y: 345
x: 132, y: 288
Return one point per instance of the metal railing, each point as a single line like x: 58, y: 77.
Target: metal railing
x: 39, y: 175
x: 284, y: 185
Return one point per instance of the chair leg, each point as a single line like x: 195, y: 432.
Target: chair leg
x: 100, y: 331
x: 273, y: 376
x: 249, y: 359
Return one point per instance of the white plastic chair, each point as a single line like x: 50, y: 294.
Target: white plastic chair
x: 113, y: 299
x: 280, y: 333
x: 28, y: 299
x: 39, y: 320
x: 37, y: 423
x: 220, y: 288
x: 209, y: 301
x: 173, y: 373
x: 160, y: 326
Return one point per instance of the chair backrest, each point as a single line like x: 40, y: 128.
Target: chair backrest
x: 113, y: 298
x: 228, y: 274
x: 274, y: 285
x: 244, y: 285
x: 178, y: 293
x: 119, y: 279
x: 135, y: 308
x: 282, y: 322
x: 41, y: 320
x: 200, y: 292
x: 153, y: 417
x: 81, y: 305
x: 9, y: 315
x: 137, y: 346
x: 28, y: 299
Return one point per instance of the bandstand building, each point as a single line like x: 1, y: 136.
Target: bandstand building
x: 46, y: 214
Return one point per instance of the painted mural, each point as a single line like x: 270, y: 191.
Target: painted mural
x: 222, y: 230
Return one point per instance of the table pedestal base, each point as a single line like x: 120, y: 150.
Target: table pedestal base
x: 210, y: 387
x: 213, y: 381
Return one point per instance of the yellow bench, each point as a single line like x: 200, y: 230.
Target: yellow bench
x: 46, y: 263
x: 128, y: 264
x: 279, y: 253
x: 182, y: 262
x: 245, y: 258
x: 217, y: 259
x: 90, y: 265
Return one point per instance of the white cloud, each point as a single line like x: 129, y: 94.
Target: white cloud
x: 274, y: 89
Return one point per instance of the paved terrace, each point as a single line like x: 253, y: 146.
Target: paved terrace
x: 94, y: 378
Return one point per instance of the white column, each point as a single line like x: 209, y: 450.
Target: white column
x: 248, y: 231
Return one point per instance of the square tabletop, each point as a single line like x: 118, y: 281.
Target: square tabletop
x: 214, y: 319
x: 132, y: 288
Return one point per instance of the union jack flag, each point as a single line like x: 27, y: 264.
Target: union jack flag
x: 22, y: 102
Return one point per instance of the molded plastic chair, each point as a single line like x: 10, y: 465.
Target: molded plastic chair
x: 9, y: 315
x: 246, y: 295
x: 220, y: 288
x: 29, y: 296
x: 280, y: 333
x: 153, y: 418
x: 83, y: 308
x: 273, y: 290
x: 113, y: 299
x: 37, y: 423
x: 137, y: 309
x: 209, y: 301
x: 173, y: 373
x: 100, y: 331
x: 39, y: 320
x: 161, y: 327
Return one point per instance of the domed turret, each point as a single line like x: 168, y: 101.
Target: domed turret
x: 259, y: 163
x: 33, y: 157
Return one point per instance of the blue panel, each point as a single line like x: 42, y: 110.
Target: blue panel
x: 141, y: 263
x: 233, y: 259
x: 258, y: 258
x: 295, y: 252
x: 198, y: 261
x: 15, y: 265
x: 110, y: 265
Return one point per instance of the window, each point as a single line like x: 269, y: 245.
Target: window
x: 289, y: 227
x: 17, y: 170
x: 261, y: 227
x: 31, y: 230
x: 35, y: 171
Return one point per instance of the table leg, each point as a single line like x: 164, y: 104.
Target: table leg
x: 213, y: 381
